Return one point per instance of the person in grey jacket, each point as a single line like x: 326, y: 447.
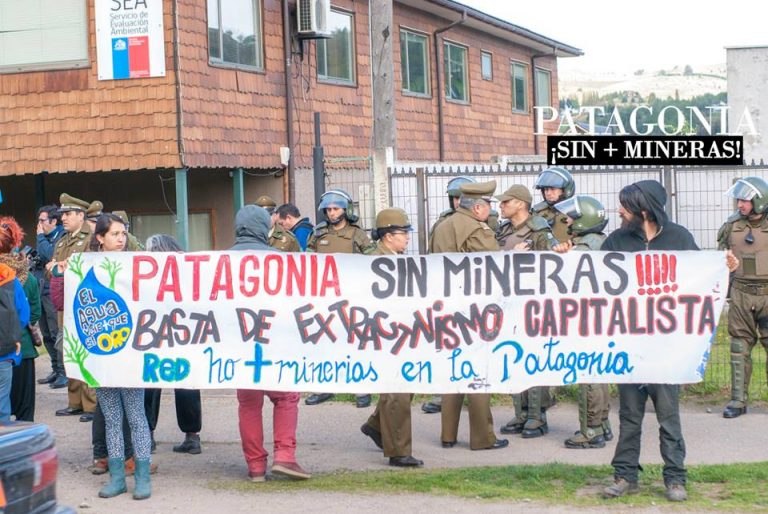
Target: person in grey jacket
x: 252, y: 225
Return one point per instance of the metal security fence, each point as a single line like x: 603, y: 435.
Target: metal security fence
x: 696, y: 201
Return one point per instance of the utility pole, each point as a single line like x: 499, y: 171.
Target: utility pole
x: 382, y: 75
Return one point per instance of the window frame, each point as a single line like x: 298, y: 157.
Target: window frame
x: 71, y: 64
x: 324, y: 79
x: 548, y: 72
x: 260, y: 51
x: 211, y: 222
x: 428, y: 65
x: 526, y: 109
x: 488, y: 53
x: 446, y: 71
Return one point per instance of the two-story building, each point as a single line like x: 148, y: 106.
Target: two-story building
x: 160, y: 107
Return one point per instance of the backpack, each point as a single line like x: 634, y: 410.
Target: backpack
x: 10, y: 327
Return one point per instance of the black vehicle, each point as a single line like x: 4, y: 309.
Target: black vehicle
x: 28, y: 466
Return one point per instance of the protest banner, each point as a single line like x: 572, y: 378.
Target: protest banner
x: 485, y: 322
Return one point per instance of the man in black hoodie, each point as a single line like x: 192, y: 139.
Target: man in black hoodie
x: 645, y: 226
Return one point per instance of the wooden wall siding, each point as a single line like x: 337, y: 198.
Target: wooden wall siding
x: 346, y: 110
x: 474, y: 132
x: 231, y: 118
x: 63, y: 121
x: 69, y: 121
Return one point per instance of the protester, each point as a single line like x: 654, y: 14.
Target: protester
x: 251, y: 231
x: 467, y: 232
x: 390, y: 424
x: 23, y: 385
x: 15, y: 315
x: 290, y: 218
x: 110, y: 236
x: 645, y: 226
x: 188, y: 407
x: 49, y: 231
x: 81, y: 398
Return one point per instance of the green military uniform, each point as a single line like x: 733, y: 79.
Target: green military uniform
x: 748, y: 311
x: 350, y: 239
x: 556, y: 220
x: 283, y: 240
x: 392, y: 417
x: 534, y: 229
x: 80, y: 396
x: 530, y: 405
x: 462, y: 232
x: 594, y: 399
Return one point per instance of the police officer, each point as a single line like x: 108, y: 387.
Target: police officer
x: 92, y: 213
x: 466, y: 232
x: 454, y: 192
x: 519, y: 229
x: 132, y: 244
x: 279, y: 239
x: 390, y: 424
x: 339, y: 233
x: 586, y: 222
x: 523, y: 232
x: 82, y: 399
x: 745, y: 234
x: 556, y: 184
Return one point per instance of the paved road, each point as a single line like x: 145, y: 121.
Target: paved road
x: 330, y: 440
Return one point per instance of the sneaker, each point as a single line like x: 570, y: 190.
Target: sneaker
x: 676, y: 493
x: 257, y: 476
x: 290, y: 470
x: 619, y: 488
x: 191, y: 445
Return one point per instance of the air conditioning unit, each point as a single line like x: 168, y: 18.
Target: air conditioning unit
x: 313, y: 18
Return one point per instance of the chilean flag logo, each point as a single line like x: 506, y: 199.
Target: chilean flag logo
x: 130, y: 57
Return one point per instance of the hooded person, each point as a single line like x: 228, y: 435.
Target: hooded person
x: 646, y: 226
x: 252, y: 225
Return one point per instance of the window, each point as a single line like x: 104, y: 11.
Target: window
x: 234, y: 33
x: 336, y: 56
x: 455, y: 62
x: 200, y: 237
x: 543, y: 87
x: 486, y: 65
x: 43, y: 35
x: 414, y: 66
x: 519, y: 74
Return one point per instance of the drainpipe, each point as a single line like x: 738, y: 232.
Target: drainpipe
x: 535, y: 96
x: 289, y: 185
x: 176, y: 60
x: 439, y: 81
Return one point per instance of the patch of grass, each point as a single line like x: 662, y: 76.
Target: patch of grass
x: 732, y: 487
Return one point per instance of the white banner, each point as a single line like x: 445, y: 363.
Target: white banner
x: 130, y: 42
x: 486, y: 322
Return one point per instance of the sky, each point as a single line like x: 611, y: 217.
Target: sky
x: 626, y: 36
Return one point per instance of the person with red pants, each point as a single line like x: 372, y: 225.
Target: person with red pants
x: 252, y: 225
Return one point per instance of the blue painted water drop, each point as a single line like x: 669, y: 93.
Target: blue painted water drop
x: 102, y: 318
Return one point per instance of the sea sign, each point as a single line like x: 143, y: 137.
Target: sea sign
x: 488, y: 322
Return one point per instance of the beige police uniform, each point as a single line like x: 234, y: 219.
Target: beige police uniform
x: 462, y: 232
